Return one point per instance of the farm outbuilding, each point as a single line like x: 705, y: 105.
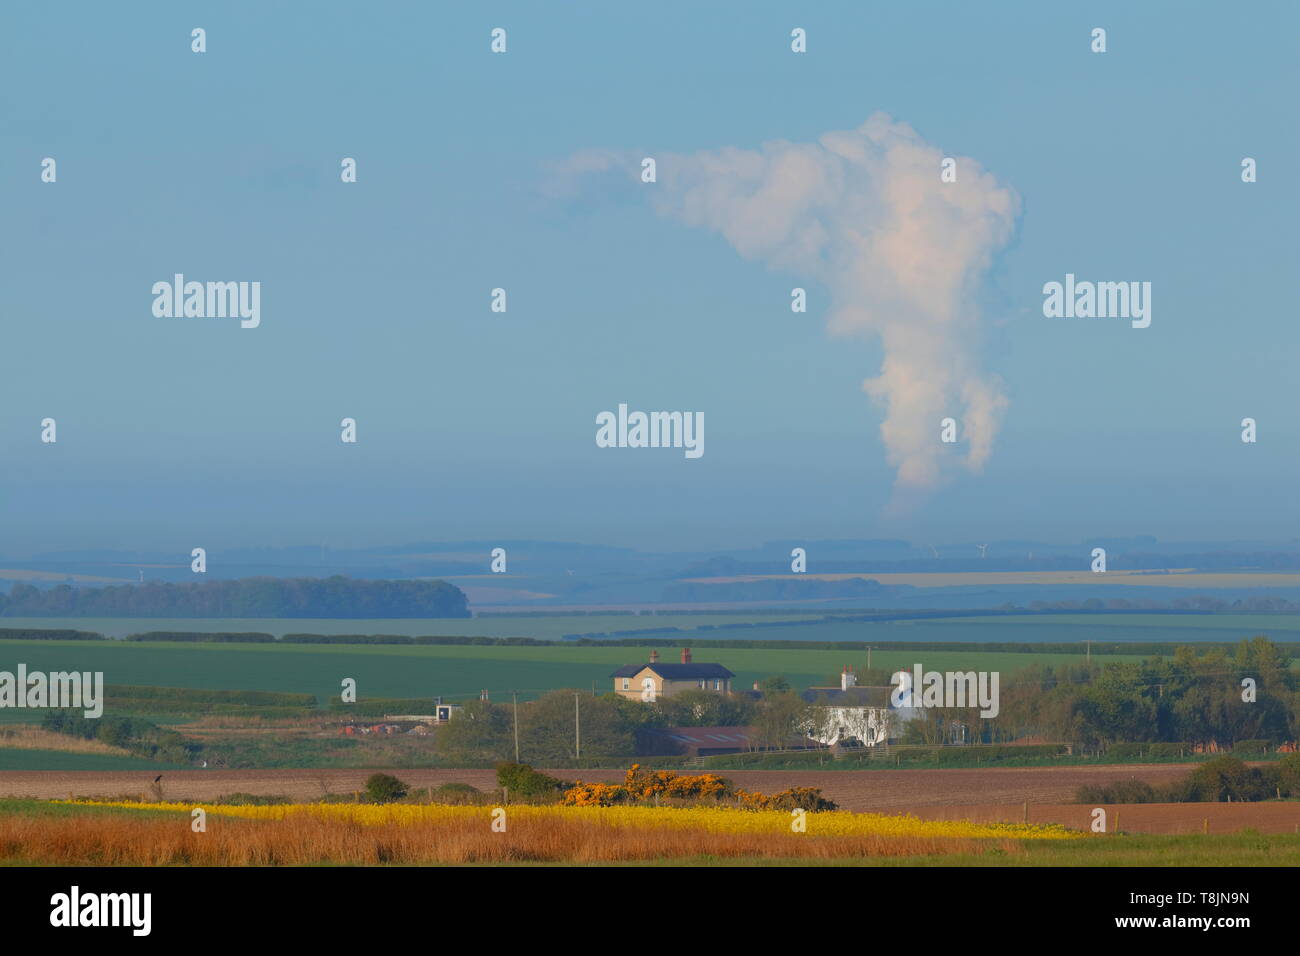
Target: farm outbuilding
x: 709, y: 741
x: 694, y: 741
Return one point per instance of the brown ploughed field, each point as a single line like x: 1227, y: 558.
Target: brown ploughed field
x: 979, y: 795
x: 893, y: 791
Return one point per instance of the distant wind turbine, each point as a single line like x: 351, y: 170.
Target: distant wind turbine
x: 983, y: 550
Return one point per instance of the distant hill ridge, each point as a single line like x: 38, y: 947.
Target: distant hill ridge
x: 332, y: 597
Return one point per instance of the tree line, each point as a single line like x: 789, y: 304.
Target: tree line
x: 1197, y: 696
x: 1193, y: 697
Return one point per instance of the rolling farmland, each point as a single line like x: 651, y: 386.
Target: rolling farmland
x: 804, y: 625
x: 459, y: 671
x: 453, y: 671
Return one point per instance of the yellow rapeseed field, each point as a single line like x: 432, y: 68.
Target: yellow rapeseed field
x: 709, y: 819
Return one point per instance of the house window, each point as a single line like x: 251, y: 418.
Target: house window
x: 701, y: 683
x: 717, y: 685
x: 627, y: 683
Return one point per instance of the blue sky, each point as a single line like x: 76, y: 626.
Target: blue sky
x: 473, y: 425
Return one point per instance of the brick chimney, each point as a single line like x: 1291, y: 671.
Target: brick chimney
x: 686, y: 655
x: 654, y: 657
x: 848, y: 678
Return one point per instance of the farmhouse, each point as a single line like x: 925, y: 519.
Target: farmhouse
x: 649, y: 682
x: 852, y: 713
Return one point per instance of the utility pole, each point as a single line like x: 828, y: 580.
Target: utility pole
x: 1089, y: 652
x: 515, y: 695
x: 868, y: 660
x: 577, y: 730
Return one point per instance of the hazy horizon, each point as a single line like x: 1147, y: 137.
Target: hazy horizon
x: 520, y: 171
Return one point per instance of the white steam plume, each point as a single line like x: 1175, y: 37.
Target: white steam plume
x: 902, y: 253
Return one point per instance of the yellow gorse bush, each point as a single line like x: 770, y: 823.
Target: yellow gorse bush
x: 709, y: 819
x: 640, y: 785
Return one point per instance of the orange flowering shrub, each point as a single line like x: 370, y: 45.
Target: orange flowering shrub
x: 645, y: 784
x: 796, y: 798
x: 640, y: 785
x: 595, y: 795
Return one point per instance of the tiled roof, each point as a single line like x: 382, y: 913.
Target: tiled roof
x: 853, y: 697
x: 676, y: 671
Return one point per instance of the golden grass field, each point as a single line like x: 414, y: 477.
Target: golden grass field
x: 28, y: 737
x: 366, y: 834
x: 126, y: 833
x: 702, y: 819
x: 1168, y: 578
x: 304, y: 840
x: 58, y: 577
x: 1279, y: 817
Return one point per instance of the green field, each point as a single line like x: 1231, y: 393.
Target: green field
x: 1229, y: 850
x: 542, y: 627
x: 1028, y: 628
x: 460, y: 672
x: 454, y: 672
x: 23, y: 759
